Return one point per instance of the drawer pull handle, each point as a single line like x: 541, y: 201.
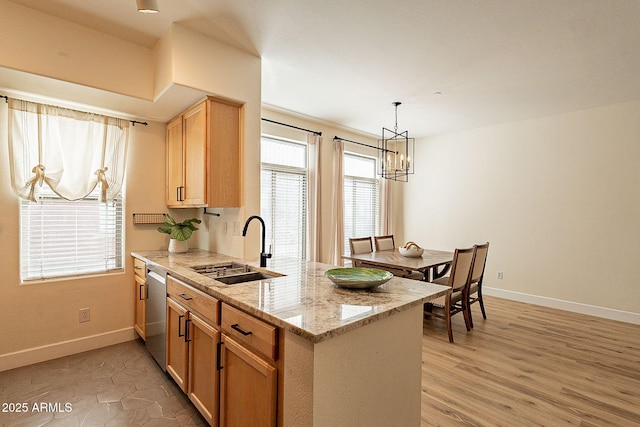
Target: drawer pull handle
x: 219, y: 355
x: 137, y: 267
x: 180, y: 317
x: 185, y: 296
x: 140, y: 297
x: 237, y: 328
x: 186, y: 330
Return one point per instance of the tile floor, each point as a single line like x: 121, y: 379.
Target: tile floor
x: 120, y: 385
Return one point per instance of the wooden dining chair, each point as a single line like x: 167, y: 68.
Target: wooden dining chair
x: 459, y: 280
x: 360, y: 245
x: 384, y: 243
x: 475, y: 286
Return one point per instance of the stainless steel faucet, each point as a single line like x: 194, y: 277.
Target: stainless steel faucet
x: 263, y: 254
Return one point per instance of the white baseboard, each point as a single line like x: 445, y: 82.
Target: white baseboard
x: 64, y: 348
x: 576, y: 307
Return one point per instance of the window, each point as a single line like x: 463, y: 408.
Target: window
x: 68, y: 238
x: 361, y: 197
x: 283, y: 196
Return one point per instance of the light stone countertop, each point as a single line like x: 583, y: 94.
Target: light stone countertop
x: 303, y: 300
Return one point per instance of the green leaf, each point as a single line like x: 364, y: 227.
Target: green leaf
x: 179, y: 230
x: 165, y: 228
x: 181, y: 233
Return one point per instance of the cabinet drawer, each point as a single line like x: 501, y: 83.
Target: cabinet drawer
x: 139, y: 268
x: 249, y: 331
x: 194, y: 299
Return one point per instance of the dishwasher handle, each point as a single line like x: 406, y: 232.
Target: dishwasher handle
x: 155, y: 276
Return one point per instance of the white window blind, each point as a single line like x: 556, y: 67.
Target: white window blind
x: 283, y: 196
x: 67, y: 238
x: 361, y: 197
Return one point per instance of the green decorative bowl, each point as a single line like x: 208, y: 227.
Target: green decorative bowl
x: 358, y: 277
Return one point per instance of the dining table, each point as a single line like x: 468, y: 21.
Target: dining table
x: 433, y: 263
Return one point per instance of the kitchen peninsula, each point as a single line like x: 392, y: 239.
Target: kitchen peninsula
x: 347, y: 357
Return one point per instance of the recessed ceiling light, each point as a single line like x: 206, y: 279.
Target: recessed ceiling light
x: 147, y: 6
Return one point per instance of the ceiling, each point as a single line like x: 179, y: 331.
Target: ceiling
x: 454, y: 64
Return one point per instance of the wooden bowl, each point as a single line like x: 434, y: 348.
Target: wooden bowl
x: 411, y: 252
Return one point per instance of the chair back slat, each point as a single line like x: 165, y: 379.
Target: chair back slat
x: 360, y: 245
x: 384, y: 243
x: 461, y: 268
x: 479, y: 262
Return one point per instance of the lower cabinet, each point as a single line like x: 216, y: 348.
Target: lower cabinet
x: 249, y: 376
x: 177, y: 344
x: 222, y: 358
x: 203, y: 378
x: 140, y: 296
x: 248, y: 387
x: 192, y: 344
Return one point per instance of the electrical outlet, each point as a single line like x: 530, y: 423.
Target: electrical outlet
x: 85, y: 315
x: 236, y: 229
x: 500, y: 275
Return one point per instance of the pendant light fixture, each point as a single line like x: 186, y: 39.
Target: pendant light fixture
x: 147, y: 6
x: 397, y: 152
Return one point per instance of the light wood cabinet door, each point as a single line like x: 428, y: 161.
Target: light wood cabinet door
x: 195, y: 153
x: 175, y: 163
x: 177, y: 345
x: 140, y: 305
x: 248, y: 387
x: 225, y: 170
x: 203, y: 376
x: 205, y: 156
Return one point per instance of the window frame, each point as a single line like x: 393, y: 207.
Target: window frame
x: 291, y: 171
x: 375, y: 185
x: 50, y: 200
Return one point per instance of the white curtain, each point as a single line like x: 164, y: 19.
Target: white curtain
x: 385, y: 207
x: 337, y: 219
x: 70, y: 151
x: 314, y: 143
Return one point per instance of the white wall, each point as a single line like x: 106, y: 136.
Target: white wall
x: 47, y: 46
x: 557, y: 197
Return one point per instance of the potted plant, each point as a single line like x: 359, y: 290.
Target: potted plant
x: 180, y: 232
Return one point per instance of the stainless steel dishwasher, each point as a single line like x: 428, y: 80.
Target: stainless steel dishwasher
x: 156, y: 313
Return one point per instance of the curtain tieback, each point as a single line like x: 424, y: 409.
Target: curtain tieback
x: 104, y: 185
x: 38, y: 179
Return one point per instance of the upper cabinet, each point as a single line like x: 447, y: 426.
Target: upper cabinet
x: 204, y: 156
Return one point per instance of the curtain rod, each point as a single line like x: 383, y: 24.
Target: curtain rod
x: 291, y: 126
x: 133, y: 122
x: 337, y: 138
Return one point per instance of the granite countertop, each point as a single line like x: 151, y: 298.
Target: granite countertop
x: 303, y: 300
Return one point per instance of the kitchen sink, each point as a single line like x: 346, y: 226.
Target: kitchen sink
x: 245, y: 277
x: 232, y: 272
x: 220, y: 270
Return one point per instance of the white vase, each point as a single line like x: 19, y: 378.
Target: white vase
x: 178, y: 246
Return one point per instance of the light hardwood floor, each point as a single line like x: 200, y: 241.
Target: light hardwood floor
x: 528, y: 365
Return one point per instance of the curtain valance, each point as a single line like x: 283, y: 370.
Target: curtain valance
x: 70, y: 151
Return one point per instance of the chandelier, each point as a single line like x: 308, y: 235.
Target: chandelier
x: 397, y: 152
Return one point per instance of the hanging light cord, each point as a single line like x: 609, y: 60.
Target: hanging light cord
x: 396, y: 105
